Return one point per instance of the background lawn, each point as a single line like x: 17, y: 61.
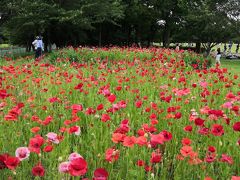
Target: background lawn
x: 232, y: 65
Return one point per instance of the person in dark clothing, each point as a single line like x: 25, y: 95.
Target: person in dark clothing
x: 218, y: 56
x: 237, y: 48
x: 225, y: 48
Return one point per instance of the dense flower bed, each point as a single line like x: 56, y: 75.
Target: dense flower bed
x: 118, y: 114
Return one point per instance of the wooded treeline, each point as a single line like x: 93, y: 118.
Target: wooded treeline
x: 119, y: 22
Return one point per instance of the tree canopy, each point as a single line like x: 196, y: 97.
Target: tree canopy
x: 120, y: 22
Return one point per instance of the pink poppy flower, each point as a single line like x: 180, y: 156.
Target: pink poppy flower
x: 74, y: 156
x: 227, y: 105
x: 203, y: 84
x: 22, y: 153
x: 53, y: 137
x: 63, y: 167
x: 227, y: 159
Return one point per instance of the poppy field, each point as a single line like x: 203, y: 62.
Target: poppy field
x: 119, y: 113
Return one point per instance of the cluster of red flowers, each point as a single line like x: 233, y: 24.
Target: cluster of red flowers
x: 154, y: 112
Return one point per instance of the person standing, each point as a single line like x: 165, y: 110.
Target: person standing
x: 38, y: 44
x: 225, y: 49
x: 230, y: 47
x: 237, y: 48
x: 34, y: 43
x: 177, y: 47
x: 218, y: 56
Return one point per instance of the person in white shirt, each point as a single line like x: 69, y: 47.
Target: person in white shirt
x: 38, y: 45
x: 218, y: 56
x: 34, y: 43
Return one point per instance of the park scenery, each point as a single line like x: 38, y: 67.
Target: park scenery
x: 119, y: 90
x: 119, y: 113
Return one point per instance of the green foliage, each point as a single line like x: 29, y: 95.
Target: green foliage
x: 121, y: 22
x: 197, y: 61
x: 91, y: 55
x: 83, y: 55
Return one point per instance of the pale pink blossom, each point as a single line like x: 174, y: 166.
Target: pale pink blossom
x: 52, y: 137
x: 227, y: 105
x: 115, y: 106
x: 74, y: 156
x: 106, y: 92
x: 22, y: 153
x: 205, y: 110
x: 213, y: 117
x: 204, y: 84
x: 63, y: 167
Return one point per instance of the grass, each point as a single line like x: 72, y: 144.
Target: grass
x: 232, y: 65
x: 5, y: 46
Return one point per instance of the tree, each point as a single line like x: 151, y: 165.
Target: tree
x: 103, y: 11
x: 205, y: 23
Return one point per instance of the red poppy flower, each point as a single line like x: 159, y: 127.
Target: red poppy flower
x: 235, y: 178
x: 199, y: 122
x: 47, y: 120
x: 100, y: 107
x: 217, y: 130
x: 138, y: 104
x: 48, y: 148
x: 35, y: 129
x: 156, y: 139
x: 3, y: 94
x: 178, y: 115
x: 78, y: 167
x: 236, y: 126
x: 141, y: 141
x: 140, y: 163
x: 208, y: 178
x: 105, y: 118
x: 3, y: 158
x: 140, y: 132
x: 156, y: 157
x: 111, y: 98
x: 188, y: 128
x: 111, y: 155
x: 210, y: 158
x: 186, y: 151
x: 211, y: 149
x: 147, y: 168
x: 76, y: 107
x: 79, y: 87
x: 38, y: 170
x: 129, y: 141
x: 186, y: 141
x: 11, y: 162
x: 100, y: 174
x: 35, y: 144
x: 167, y: 135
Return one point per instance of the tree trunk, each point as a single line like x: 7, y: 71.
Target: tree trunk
x: 28, y: 46
x: 100, y: 36
x: 166, y: 36
x: 138, y: 39
x: 129, y: 36
x: 198, y: 47
x: 49, y: 44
